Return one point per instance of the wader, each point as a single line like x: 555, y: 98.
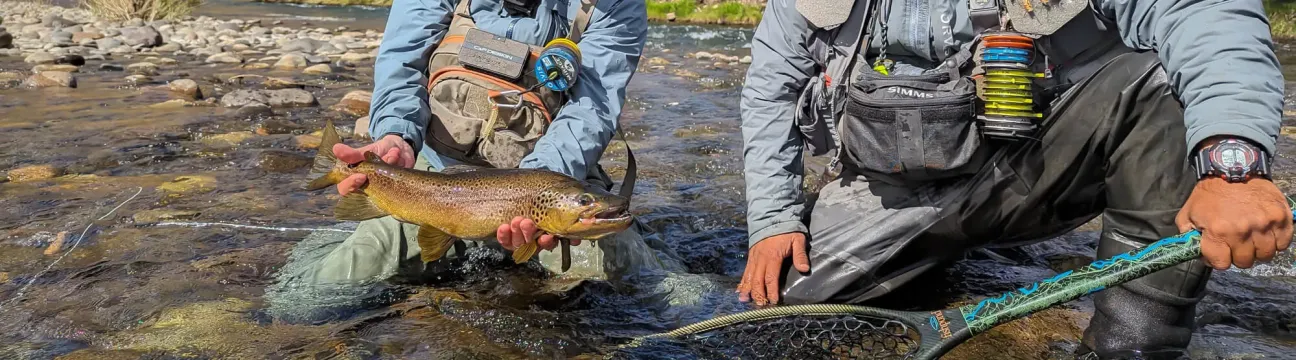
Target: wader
x: 917, y: 190
x: 330, y: 275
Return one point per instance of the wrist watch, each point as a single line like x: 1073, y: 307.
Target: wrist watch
x: 1234, y: 160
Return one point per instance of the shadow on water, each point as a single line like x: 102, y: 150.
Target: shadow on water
x: 133, y: 289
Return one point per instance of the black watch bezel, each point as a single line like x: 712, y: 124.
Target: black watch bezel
x: 1220, y: 160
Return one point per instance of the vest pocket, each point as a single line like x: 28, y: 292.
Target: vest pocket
x: 920, y: 127
x: 460, y: 101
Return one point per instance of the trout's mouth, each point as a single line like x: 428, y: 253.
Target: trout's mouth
x: 616, y: 214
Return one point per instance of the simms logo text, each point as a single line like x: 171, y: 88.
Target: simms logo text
x: 910, y: 93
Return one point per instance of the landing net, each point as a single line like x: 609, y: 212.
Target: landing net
x: 803, y: 336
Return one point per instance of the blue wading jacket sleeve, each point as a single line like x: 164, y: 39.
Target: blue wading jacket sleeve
x: 1219, y: 58
x: 610, y: 48
x: 772, y: 159
x: 400, y: 81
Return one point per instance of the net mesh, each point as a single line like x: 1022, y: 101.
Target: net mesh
x: 793, y: 337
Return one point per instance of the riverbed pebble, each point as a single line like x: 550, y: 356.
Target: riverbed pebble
x: 143, y: 68
x: 355, y: 103
x: 186, y: 87
x: 318, y: 69
x: 52, y: 79
x: 54, y: 67
x: 34, y: 172
x: 226, y: 57
x: 290, y: 62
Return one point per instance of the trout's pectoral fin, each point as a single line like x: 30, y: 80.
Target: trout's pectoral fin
x: 433, y: 243
x: 371, y: 157
x: 525, y: 252
x: 357, y: 207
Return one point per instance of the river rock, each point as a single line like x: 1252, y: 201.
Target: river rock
x: 362, y: 127
x: 40, y: 58
x: 143, y: 68
x: 78, y: 37
x: 299, y: 45
x: 745, y: 60
x: 168, y: 47
x: 318, y: 69
x: 133, y: 22
x: 145, y: 36
x: 273, y: 83
x: 256, y: 66
x: 282, y: 161
x: 355, y: 57
x: 189, y: 184
x: 229, y: 26
x: 328, y: 49
x: 244, y: 97
x: 290, y: 98
x: 110, y: 67
x: 11, y: 78
x: 55, y: 67
x: 254, y: 110
x: 71, y: 59
x: 670, y: 16
x: 108, y: 43
x: 316, y: 59
x: 186, y: 87
x: 703, y: 55
x: 307, y: 141
x: 52, y: 79
x: 227, y: 58
x: 155, y: 215
x: 122, y: 50
x: 291, y: 61
x: 34, y: 172
x: 60, y: 38
x: 138, y: 79
x: 6, y: 40
x: 355, y: 103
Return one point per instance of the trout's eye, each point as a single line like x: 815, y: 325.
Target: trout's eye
x: 586, y: 199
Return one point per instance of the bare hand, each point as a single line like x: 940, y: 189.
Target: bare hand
x: 1240, y: 222
x: 522, y: 230
x: 392, y: 149
x: 760, y: 280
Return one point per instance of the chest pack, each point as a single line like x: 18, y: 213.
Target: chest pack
x: 906, y: 128
x: 489, y: 108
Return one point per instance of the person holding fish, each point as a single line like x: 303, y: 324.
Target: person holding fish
x: 488, y: 118
x: 966, y: 125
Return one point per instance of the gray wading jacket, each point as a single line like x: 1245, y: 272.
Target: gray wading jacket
x: 1218, y: 55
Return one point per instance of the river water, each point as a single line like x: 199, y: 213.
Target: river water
x: 134, y: 288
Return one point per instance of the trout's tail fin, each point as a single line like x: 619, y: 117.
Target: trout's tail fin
x: 322, y: 173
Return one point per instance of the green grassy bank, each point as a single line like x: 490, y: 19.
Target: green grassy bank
x: 688, y: 11
x: 1282, y: 18
x: 1282, y: 13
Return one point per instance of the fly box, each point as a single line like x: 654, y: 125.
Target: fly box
x: 497, y: 55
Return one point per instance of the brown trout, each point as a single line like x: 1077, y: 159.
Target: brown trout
x: 469, y: 203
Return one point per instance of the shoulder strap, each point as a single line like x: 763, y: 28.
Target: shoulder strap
x: 582, y: 20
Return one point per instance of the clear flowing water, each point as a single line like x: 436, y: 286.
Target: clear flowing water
x: 132, y: 288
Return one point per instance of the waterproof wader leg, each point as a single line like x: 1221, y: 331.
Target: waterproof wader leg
x: 1113, y: 145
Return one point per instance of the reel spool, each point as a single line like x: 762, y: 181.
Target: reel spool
x: 557, y: 66
x: 1009, y: 111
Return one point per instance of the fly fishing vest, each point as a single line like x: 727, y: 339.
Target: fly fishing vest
x: 487, y: 108
x: 907, y: 128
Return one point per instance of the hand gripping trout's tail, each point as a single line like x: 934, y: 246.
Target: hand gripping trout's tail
x: 322, y: 173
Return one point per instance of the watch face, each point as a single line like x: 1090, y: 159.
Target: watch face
x: 1233, y: 159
